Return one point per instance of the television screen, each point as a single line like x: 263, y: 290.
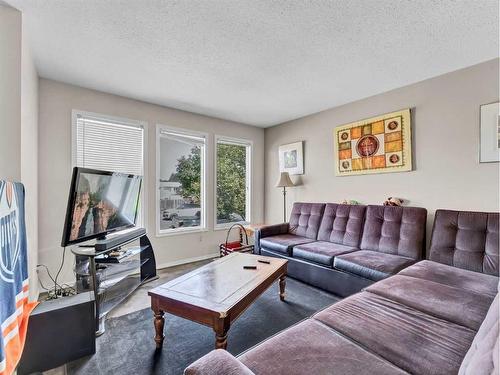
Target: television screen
x: 100, y: 202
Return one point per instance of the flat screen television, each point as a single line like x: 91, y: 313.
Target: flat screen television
x: 100, y: 202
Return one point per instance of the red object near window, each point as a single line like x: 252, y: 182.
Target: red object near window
x: 235, y: 246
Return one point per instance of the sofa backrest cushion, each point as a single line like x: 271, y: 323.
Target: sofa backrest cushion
x: 467, y: 240
x: 482, y: 357
x: 305, y: 219
x: 342, y: 224
x: 395, y: 230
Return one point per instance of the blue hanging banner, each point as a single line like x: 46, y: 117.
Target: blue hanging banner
x: 14, y: 306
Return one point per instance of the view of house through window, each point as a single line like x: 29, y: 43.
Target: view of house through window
x: 233, y: 177
x: 181, y: 180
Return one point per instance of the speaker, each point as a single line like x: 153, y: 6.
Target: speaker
x: 59, y: 331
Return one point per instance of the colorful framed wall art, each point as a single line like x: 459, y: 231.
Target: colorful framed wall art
x: 380, y: 144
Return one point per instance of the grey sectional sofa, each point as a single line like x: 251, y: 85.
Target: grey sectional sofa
x: 345, y: 248
x: 438, y: 316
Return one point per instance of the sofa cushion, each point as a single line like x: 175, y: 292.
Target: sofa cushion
x: 342, y: 224
x: 217, y: 362
x: 467, y: 240
x: 412, y: 340
x: 305, y: 219
x: 313, y: 348
x: 456, y: 277
x: 283, y: 243
x: 371, y: 264
x: 321, y: 252
x: 395, y: 230
x: 455, y: 305
x: 482, y: 357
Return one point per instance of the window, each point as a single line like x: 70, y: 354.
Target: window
x: 233, y: 161
x: 180, y: 180
x: 111, y: 144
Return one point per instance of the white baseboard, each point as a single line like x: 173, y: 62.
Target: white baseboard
x: 186, y: 260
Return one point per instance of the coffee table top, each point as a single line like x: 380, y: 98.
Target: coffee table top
x: 222, y: 285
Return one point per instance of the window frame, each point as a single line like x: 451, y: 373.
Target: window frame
x: 75, y: 113
x: 249, y: 172
x: 203, y: 227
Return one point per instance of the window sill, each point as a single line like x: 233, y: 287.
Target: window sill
x: 178, y: 232
x: 228, y: 225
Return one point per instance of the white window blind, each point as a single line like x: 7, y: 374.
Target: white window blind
x: 109, y: 145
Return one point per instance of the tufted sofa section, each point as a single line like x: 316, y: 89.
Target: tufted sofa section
x: 305, y: 219
x: 393, y: 238
x: 339, y: 233
x: 344, y: 248
x: 303, y: 228
x: 342, y: 224
x: 395, y: 230
x: 467, y: 240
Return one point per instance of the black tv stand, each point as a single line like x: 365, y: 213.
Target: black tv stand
x: 115, y: 281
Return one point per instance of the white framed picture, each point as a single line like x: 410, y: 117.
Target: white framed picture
x: 489, y: 133
x: 291, y: 158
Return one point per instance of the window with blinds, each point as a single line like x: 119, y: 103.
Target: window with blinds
x: 115, y: 145
x: 109, y: 145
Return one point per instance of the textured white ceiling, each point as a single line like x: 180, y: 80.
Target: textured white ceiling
x: 254, y: 61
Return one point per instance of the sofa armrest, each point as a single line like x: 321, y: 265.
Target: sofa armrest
x: 267, y: 231
x: 217, y: 362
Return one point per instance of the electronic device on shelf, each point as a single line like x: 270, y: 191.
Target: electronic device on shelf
x: 118, y: 255
x: 100, y: 203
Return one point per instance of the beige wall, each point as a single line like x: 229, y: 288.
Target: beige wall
x: 19, y: 123
x: 29, y: 154
x: 446, y: 172
x: 57, y: 100
x: 10, y: 93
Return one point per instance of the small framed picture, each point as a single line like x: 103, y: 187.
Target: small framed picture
x: 489, y: 143
x: 291, y: 158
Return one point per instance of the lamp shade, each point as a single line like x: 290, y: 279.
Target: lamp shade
x: 284, y: 180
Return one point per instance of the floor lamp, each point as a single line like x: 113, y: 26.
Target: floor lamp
x: 284, y: 182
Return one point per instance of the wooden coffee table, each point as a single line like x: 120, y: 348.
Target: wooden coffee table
x: 217, y: 293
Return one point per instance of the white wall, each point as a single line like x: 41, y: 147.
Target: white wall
x: 57, y: 100
x: 446, y: 172
x: 10, y: 93
x: 19, y: 123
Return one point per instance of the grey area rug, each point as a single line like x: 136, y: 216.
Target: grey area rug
x: 127, y: 346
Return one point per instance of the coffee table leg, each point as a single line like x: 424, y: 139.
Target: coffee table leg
x: 282, y: 287
x: 221, y: 329
x: 159, y: 323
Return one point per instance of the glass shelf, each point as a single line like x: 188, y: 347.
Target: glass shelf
x: 116, y: 272
x: 129, y: 252
x: 117, y: 293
